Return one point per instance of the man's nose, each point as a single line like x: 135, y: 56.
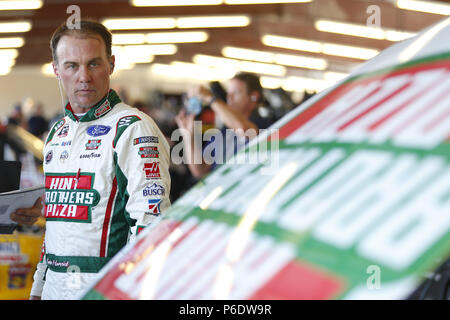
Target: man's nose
x: 85, y: 74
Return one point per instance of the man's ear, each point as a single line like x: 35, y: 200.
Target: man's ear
x: 254, y: 96
x: 55, y: 70
x: 112, y: 64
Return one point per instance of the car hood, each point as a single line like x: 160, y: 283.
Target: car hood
x: 346, y: 197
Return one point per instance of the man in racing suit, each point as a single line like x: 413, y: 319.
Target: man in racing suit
x: 106, y: 168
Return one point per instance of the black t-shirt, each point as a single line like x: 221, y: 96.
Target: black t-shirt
x: 228, y: 143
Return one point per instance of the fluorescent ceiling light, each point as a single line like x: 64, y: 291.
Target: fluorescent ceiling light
x: 12, y: 27
x: 348, y: 51
x: 195, y: 69
x: 138, y: 59
x: 147, y: 50
x: 20, y: 5
x: 123, y: 65
x: 213, y: 21
x: 291, y: 43
x: 349, y: 29
x: 167, y: 3
x: 270, y: 82
x: 240, y: 65
x: 301, y: 84
x: 333, y: 76
x: 221, y: 21
x: 191, y: 71
x: 47, y: 69
x: 424, y: 6
x: 363, y: 31
x: 8, y: 63
x: 11, y: 42
x: 8, y: 54
x: 248, y: 54
x: 313, y: 46
x: 301, y: 62
x: 177, y: 37
x: 212, y: 61
x: 128, y: 38
x: 159, y: 37
x: 4, y: 70
x: 125, y: 56
x: 269, y: 57
x: 296, y: 84
x: 139, y: 23
x: 264, y: 1
x: 263, y: 68
x: 7, y: 60
x: 393, y: 35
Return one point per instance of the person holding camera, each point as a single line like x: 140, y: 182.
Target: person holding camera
x: 238, y: 113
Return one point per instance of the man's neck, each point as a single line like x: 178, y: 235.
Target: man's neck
x: 80, y: 110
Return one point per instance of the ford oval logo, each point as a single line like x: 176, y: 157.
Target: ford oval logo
x: 98, y: 130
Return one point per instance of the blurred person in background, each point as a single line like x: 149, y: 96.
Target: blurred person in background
x: 37, y: 123
x: 239, y: 112
x: 16, y: 117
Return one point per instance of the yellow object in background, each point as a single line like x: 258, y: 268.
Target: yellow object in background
x: 19, y: 255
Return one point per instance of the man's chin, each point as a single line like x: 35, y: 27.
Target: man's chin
x: 86, y: 101
x: 83, y: 105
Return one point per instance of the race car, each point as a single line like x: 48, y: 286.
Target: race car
x: 346, y: 197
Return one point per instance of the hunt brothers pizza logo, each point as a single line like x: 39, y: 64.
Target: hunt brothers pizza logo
x: 70, y: 198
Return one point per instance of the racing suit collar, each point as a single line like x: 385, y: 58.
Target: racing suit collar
x: 99, y: 110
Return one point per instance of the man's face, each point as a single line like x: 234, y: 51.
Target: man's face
x: 84, y: 70
x: 238, y: 97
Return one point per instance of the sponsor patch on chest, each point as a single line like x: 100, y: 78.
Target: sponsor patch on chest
x: 98, y: 130
x: 148, y: 152
x: 70, y: 197
x: 93, y: 144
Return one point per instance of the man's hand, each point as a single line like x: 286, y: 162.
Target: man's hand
x: 202, y: 93
x: 28, y: 216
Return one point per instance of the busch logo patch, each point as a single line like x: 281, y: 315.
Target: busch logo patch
x: 152, y: 170
x: 70, y: 198
x: 153, y: 190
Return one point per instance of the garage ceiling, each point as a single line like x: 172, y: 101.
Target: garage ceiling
x: 290, y: 20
